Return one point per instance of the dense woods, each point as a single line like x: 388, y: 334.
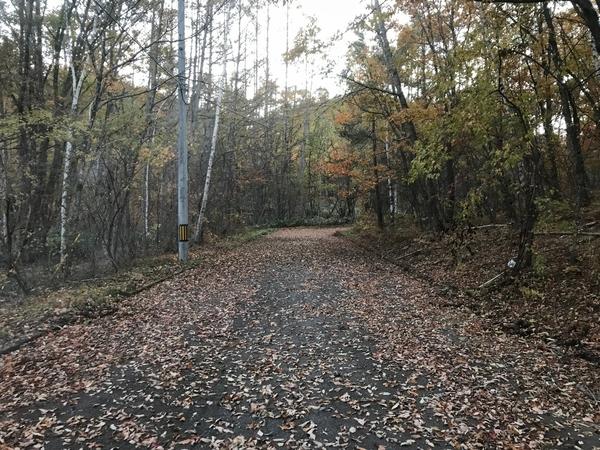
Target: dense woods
x: 241, y: 224
x: 478, y: 113
x: 456, y: 113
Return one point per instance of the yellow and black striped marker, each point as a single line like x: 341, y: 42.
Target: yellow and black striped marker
x: 183, y: 233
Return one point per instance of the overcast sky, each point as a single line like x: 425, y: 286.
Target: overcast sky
x: 332, y: 16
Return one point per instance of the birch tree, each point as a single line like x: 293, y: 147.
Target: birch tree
x: 213, y: 144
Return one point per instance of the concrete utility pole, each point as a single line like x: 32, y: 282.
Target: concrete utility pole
x: 182, y: 154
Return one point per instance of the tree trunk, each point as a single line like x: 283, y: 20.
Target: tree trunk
x: 376, y: 188
x: 77, y: 83
x: 408, y: 126
x: 589, y: 15
x: 213, y: 146
x: 571, y: 116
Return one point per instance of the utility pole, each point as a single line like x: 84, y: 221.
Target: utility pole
x: 182, y: 154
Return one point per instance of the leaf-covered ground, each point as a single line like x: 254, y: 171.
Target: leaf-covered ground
x: 56, y: 302
x: 557, y: 300
x: 296, y: 340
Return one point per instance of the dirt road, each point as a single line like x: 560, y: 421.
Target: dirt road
x: 296, y: 340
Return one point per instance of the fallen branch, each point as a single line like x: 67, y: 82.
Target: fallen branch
x: 411, y: 253
x: 490, y: 281
x: 549, y: 233
x: 147, y: 286
x: 568, y: 233
x: 491, y: 225
x: 21, y: 342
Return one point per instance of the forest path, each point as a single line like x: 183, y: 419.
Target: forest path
x: 296, y: 340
